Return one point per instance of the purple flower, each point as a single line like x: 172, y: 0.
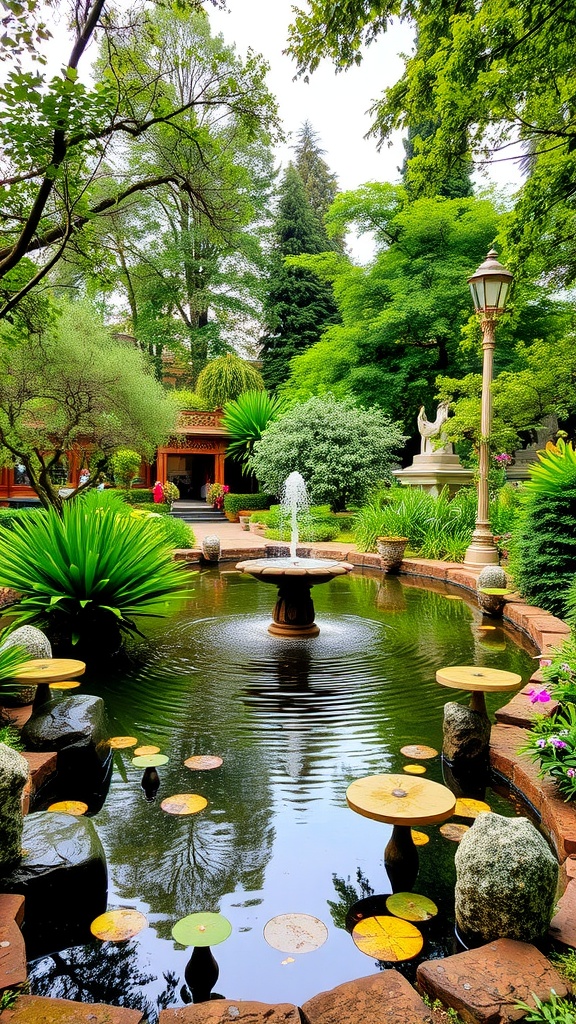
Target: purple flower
x: 571, y: 772
x: 539, y: 696
x: 565, y: 667
x: 558, y: 743
x: 541, y: 743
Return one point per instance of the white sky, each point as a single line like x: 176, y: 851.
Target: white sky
x: 335, y: 104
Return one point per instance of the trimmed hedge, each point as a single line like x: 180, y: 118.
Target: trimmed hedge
x: 321, y: 524
x: 9, y: 516
x: 234, y: 503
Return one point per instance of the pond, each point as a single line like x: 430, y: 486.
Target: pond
x: 295, y: 722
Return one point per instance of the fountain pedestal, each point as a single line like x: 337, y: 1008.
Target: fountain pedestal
x: 293, y: 613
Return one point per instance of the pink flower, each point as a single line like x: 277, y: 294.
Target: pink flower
x: 539, y: 696
x: 544, y: 662
x: 571, y: 772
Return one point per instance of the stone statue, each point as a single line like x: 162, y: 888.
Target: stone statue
x: 428, y: 430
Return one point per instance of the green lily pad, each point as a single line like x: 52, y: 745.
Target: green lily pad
x: 149, y: 760
x: 203, y: 929
x: 496, y: 591
x: 410, y: 906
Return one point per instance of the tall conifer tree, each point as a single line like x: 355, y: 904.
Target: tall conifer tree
x: 298, y: 306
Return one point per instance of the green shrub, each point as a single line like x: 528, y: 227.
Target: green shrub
x: 318, y: 531
x: 125, y: 465
x: 340, y: 449
x: 133, y: 497
x: 89, y: 571
x: 234, y: 503
x: 318, y: 524
x: 543, y: 553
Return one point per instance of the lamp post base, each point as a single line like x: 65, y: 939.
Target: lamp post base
x: 482, y: 551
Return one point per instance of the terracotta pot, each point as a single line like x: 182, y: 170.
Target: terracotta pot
x: 391, y: 551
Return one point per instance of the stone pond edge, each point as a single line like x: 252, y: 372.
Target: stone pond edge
x: 557, y: 819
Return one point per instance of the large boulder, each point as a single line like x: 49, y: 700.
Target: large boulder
x: 63, y: 877
x: 76, y: 727
x: 466, y: 734
x: 506, y: 879
x: 33, y: 640
x: 13, y: 778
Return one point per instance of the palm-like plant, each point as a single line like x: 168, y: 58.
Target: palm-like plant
x: 11, y: 659
x: 246, y: 419
x: 89, y: 569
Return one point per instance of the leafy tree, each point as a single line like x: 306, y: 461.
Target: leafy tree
x: 402, y: 316
x: 226, y: 378
x: 187, y: 278
x: 64, y: 141
x: 297, y: 305
x: 542, y: 384
x: 340, y: 450
x: 484, y: 75
x: 73, y: 386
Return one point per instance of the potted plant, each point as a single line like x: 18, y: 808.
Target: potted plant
x: 391, y: 551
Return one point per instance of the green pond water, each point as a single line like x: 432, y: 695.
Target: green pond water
x: 295, y: 722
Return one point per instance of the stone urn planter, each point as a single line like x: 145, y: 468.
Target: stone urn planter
x: 244, y: 521
x: 492, y: 600
x: 391, y: 551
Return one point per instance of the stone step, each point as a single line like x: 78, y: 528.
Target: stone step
x: 225, y: 1011
x: 43, y: 1010
x: 484, y: 984
x: 563, y: 924
x: 12, y: 949
x: 384, y: 998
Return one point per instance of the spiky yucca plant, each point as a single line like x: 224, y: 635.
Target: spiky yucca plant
x: 246, y: 419
x: 89, y: 570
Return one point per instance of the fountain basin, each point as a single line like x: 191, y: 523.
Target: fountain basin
x: 293, y: 613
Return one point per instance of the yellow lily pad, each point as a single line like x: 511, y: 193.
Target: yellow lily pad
x: 387, y: 938
x: 466, y: 807
x: 184, y: 803
x: 66, y: 684
x: 118, y: 925
x: 122, y: 742
x: 146, y: 751
x: 295, y: 933
x: 419, y: 838
x: 76, y: 807
x: 419, y: 751
x: 414, y: 769
x: 410, y: 906
x: 203, y: 762
x: 453, y: 831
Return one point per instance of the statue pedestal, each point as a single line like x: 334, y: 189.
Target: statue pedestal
x: 435, y: 471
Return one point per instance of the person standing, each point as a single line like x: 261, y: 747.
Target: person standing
x: 158, y: 492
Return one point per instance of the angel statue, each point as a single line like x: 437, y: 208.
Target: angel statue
x: 428, y: 430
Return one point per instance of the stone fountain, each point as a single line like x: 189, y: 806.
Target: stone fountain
x: 293, y: 614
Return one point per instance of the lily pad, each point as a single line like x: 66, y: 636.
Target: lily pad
x: 184, y: 803
x: 414, y: 769
x: 410, y: 906
x: 149, y: 760
x: 118, y: 925
x: 76, y: 807
x: 419, y: 751
x: 466, y: 807
x: 203, y: 929
x: 122, y: 742
x: 66, y: 684
x: 146, y: 751
x: 203, y: 762
x: 419, y: 838
x: 295, y: 933
x: 453, y: 831
x: 388, y: 938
